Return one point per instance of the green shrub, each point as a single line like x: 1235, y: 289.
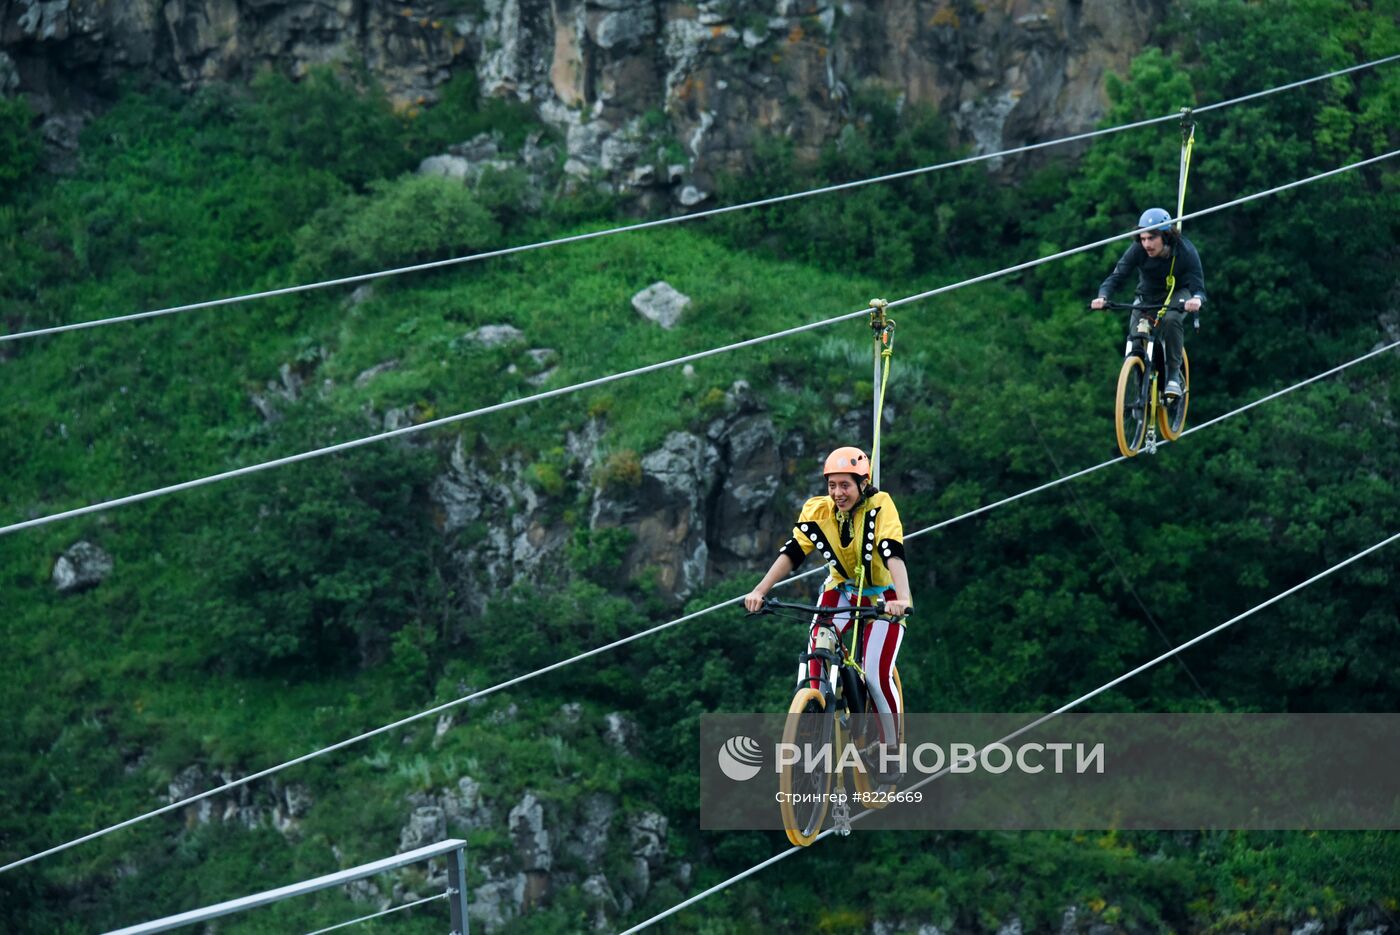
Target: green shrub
x: 622, y: 469
x: 411, y: 219
x: 547, y: 478
x: 598, y: 553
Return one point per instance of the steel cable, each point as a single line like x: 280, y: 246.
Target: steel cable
x: 474, y: 696
x: 649, y: 368
x: 677, y: 219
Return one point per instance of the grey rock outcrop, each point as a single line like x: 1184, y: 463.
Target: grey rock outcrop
x: 427, y: 825
x: 648, y: 839
x: 745, y: 512
x: 493, y: 516
x: 9, y: 76
x: 364, y: 377
x: 291, y: 382
x: 593, y: 69
x: 498, y: 335
x: 485, y: 156
x: 498, y: 899
x: 665, y: 513
x: 596, y: 888
x: 466, y: 808
x: 277, y: 806
x: 662, y: 303
x: 531, y: 838
x: 590, y: 840
x: 82, y: 565
x: 533, y: 848
x: 619, y: 731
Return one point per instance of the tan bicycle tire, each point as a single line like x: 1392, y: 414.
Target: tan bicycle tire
x: 1128, y: 449
x: 803, y: 829
x: 1164, y: 417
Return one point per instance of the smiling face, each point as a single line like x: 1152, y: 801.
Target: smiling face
x: 844, y: 489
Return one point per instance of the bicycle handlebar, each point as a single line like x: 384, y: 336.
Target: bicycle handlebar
x: 1127, y: 306
x: 771, y: 605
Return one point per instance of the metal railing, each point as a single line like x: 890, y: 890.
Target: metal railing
x: 455, y: 849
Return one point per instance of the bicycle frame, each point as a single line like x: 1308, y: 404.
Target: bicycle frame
x: 831, y: 696
x: 841, y: 684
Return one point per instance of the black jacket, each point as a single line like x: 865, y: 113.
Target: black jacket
x: 1152, y: 273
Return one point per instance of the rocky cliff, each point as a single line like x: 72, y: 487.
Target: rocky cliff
x: 630, y: 84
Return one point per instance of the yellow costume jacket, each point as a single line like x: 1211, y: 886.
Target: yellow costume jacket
x: 870, y: 536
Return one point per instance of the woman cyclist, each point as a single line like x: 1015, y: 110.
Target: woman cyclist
x: 854, y: 526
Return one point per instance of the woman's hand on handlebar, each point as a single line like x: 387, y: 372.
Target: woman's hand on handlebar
x: 753, y: 601
x: 897, y: 608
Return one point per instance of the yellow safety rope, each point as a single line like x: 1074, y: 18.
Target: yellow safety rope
x: 1188, y: 142
x: 883, y: 329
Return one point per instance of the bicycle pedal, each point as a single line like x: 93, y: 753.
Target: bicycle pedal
x: 841, y: 818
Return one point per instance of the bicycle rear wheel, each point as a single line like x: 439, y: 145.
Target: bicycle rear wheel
x: 1171, y: 417
x: 1129, y: 406
x: 805, y: 794
x: 864, y: 781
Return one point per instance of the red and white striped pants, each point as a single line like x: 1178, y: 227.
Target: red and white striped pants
x: 879, y: 646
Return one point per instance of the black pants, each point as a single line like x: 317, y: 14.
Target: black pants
x: 1173, y: 330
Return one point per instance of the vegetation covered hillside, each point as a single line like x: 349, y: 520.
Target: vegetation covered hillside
x: 251, y: 621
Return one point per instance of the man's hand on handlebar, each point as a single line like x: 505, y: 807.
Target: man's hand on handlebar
x: 1098, y: 303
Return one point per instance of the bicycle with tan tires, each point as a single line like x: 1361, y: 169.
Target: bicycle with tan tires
x: 820, y: 717
x: 1141, y: 407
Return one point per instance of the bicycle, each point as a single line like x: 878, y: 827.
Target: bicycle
x: 819, y: 715
x: 1140, y: 406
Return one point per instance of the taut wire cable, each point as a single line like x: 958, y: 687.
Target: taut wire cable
x: 677, y: 219
x: 625, y: 640
x: 1031, y: 726
x: 649, y: 368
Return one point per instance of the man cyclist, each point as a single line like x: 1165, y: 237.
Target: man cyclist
x: 854, y: 526
x: 1169, y: 273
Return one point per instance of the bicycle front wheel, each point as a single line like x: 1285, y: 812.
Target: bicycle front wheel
x: 805, y: 794
x: 1130, y: 406
x: 1171, y: 417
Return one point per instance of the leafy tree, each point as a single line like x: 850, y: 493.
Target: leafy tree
x: 330, y: 569
x: 895, y: 230
x: 19, y: 149
x: 339, y: 123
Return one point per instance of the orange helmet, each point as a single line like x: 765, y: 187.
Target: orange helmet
x: 847, y: 461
